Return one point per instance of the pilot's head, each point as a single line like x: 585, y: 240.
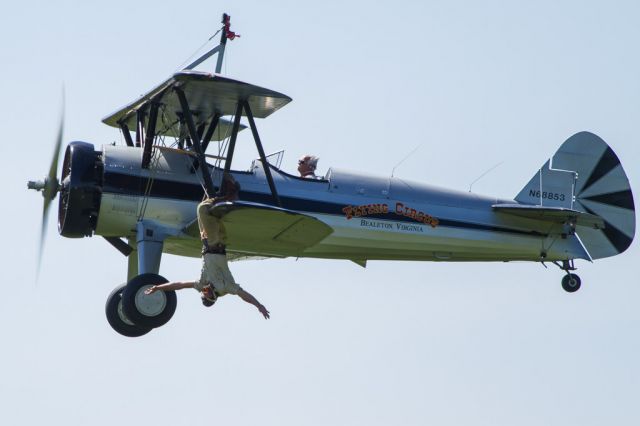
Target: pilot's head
x: 307, y: 165
x: 208, y: 295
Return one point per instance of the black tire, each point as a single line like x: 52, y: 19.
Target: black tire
x: 148, y: 310
x: 571, y: 283
x: 117, y: 318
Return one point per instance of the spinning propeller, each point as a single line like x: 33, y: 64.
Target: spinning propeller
x: 50, y: 187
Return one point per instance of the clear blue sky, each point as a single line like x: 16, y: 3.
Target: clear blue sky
x: 471, y: 83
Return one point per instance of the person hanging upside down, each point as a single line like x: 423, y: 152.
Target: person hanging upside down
x: 215, y: 279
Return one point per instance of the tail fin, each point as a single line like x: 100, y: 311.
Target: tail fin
x: 586, y: 175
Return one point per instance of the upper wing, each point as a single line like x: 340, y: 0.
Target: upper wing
x: 264, y: 230
x: 207, y: 94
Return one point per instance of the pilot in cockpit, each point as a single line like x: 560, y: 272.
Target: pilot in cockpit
x: 307, y: 166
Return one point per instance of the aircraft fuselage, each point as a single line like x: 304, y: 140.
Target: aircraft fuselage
x: 373, y: 218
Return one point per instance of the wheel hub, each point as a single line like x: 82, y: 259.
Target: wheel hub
x: 150, y: 305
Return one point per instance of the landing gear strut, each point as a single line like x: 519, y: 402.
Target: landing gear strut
x: 570, y: 282
x: 129, y: 310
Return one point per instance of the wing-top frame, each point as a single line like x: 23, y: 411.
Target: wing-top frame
x: 198, y: 101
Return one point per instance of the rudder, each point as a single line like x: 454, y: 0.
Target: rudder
x: 586, y: 175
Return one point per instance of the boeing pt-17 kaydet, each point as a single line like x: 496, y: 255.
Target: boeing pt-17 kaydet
x: 142, y: 197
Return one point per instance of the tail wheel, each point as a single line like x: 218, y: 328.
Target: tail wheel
x: 148, y: 310
x: 118, y: 319
x: 571, y: 283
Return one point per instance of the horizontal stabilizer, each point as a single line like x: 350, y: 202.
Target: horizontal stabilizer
x: 558, y: 215
x: 264, y: 229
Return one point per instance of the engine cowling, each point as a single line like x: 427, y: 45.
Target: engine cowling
x: 81, y: 190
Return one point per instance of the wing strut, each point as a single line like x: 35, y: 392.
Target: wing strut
x: 210, y: 131
x: 265, y: 165
x: 206, y: 140
x: 243, y: 104
x: 151, y: 133
x: 140, y: 127
x: 234, y: 136
x: 126, y: 133
x: 195, y: 140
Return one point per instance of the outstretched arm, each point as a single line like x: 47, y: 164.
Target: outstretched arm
x: 179, y: 285
x: 247, y: 297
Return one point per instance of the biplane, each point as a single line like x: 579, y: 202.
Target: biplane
x: 141, y: 196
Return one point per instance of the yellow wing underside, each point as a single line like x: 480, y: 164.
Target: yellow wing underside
x: 266, y: 230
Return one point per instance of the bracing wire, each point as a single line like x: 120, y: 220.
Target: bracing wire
x: 155, y: 159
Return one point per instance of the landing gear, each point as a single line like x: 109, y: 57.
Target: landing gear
x: 571, y: 282
x: 148, y: 310
x: 134, y: 310
x: 118, y: 319
x: 132, y: 313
